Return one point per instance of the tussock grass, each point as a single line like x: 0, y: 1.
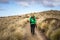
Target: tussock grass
x: 51, y: 27
x: 55, y: 35
x: 12, y: 28
x: 12, y: 33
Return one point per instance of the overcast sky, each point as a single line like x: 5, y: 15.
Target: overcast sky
x: 17, y: 7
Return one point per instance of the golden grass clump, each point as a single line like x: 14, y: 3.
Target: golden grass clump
x: 9, y: 34
x: 55, y: 35
x: 12, y: 31
x: 43, y: 26
x: 49, y: 25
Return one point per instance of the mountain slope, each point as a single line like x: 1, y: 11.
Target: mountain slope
x: 18, y: 28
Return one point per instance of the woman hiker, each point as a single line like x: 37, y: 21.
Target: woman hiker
x: 33, y: 24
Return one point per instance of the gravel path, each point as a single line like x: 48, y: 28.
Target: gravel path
x: 37, y: 36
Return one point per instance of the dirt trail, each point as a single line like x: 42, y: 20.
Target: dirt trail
x: 37, y: 36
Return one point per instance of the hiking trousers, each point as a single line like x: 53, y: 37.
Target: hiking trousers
x: 33, y: 28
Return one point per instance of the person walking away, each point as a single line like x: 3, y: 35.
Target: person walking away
x: 33, y: 24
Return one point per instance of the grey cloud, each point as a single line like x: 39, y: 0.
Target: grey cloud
x: 4, y: 1
x: 24, y: 2
x: 45, y: 3
x: 49, y: 3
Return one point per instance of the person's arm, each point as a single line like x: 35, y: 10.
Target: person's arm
x: 35, y: 19
x: 30, y: 20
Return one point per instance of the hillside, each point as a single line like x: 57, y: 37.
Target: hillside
x: 18, y: 28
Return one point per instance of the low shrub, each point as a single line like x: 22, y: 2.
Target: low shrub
x: 12, y: 33
x: 55, y: 35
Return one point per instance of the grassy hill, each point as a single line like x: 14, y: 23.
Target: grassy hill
x: 13, y: 27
